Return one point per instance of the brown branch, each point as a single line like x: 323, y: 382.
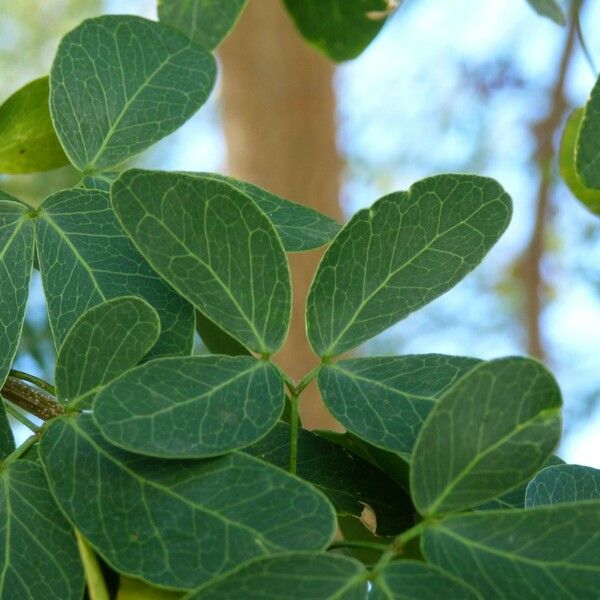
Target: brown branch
x: 34, y: 401
x: 544, y: 131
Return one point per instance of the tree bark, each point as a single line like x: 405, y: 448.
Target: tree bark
x: 279, y: 118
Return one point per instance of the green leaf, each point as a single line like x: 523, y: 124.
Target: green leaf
x: 403, y: 252
x: 28, y: 142
x: 215, y: 247
x: 216, y: 340
x: 134, y: 589
x: 391, y: 463
x: 178, y: 523
x: 385, y: 400
x: 191, y: 407
x: 206, y: 22
x: 120, y: 83
x: 16, y: 262
x: 587, y: 146
x: 340, y: 29
x: 105, y: 341
x: 546, y: 552
x: 86, y: 258
x: 350, y: 483
x: 488, y: 434
x: 548, y: 8
x: 414, y: 580
x: 7, y: 441
x: 291, y: 576
x: 563, y: 483
x: 300, y: 227
x: 38, y: 554
x: 515, y: 498
x: 589, y: 197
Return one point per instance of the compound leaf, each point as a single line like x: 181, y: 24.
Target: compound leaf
x: 161, y: 520
x: 191, y: 407
x: 350, y: 483
x: 563, y: 483
x: 403, y: 252
x: 214, y: 246
x: 340, y: 29
x: 545, y: 552
x: 385, y: 400
x: 206, y: 22
x: 587, y: 148
x: 28, y: 142
x: 300, y: 227
x: 86, y: 258
x: 120, y: 83
x: 216, y: 340
x: 105, y: 341
x: 415, y: 580
x: 16, y: 263
x: 489, y: 433
x: 291, y: 576
x: 38, y: 552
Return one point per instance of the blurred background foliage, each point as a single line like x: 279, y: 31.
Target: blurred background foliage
x: 463, y: 86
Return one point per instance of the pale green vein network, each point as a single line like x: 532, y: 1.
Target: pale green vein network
x: 215, y: 246
x: 140, y: 512
x: 16, y: 263
x: 563, y: 483
x: 120, y: 83
x: 105, y: 341
x: 488, y: 434
x: 85, y: 259
x: 403, y: 252
x: 38, y: 554
x: 192, y: 407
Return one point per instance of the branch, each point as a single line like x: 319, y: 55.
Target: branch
x: 544, y: 131
x: 35, y: 401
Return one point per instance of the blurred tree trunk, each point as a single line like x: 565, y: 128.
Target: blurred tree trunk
x: 279, y: 118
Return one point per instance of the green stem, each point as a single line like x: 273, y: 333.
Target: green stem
x: 18, y: 452
x: 358, y: 544
x: 293, y: 433
x: 307, y: 379
x: 41, y: 383
x: 397, y: 546
x: 19, y: 416
x: 93, y: 573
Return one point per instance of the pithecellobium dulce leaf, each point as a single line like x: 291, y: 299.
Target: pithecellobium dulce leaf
x: 120, y: 83
x: 589, y: 197
x: 415, y: 580
x: 403, y: 252
x: 105, y: 341
x: 141, y: 513
x: 548, y: 8
x: 385, y: 400
x: 290, y: 576
x: 301, y: 228
x: 206, y: 22
x: 191, y: 407
x: 489, y: 433
x: 348, y: 481
x: 38, y: 553
x: 28, y: 142
x: 544, y: 552
x: 16, y: 263
x: 7, y: 440
x: 86, y: 258
x: 214, y: 246
x: 340, y: 29
x: 587, y: 151
x: 563, y: 483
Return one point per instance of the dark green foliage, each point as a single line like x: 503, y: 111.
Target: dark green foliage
x: 194, y: 472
